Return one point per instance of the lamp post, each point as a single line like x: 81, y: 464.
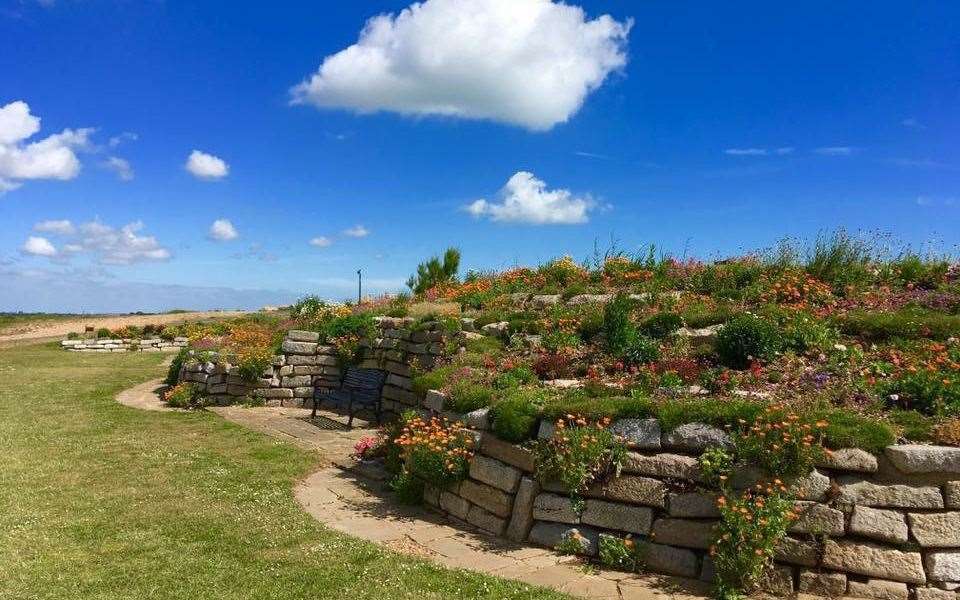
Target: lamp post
x: 359, y: 286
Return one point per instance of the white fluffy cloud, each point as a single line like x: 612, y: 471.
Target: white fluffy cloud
x: 119, y: 166
x: 222, y: 230
x: 107, y: 245
x: 357, y: 231
x: 526, y: 199
x: 52, y: 157
x: 206, y: 166
x: 524, y: 62
x: 321, y: 242
x: 38, y: 246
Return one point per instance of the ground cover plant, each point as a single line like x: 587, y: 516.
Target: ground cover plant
x: 103, y: 501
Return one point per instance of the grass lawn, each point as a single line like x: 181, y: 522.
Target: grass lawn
x: 102, y: 501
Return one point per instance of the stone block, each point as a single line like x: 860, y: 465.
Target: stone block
x: 303, y: 392
x: 297, y: 335
x: 478, y: 419
x: 633, y: 490
x: 493, y: 472
x: 308, y: 370
x: 554, y: 508
x: 435, y: 400
x: 455, y: 505
x: 849, y: 459
x: 668, y: 466
x: 942, y: 566
x: 866, y: 493
x: 879, y: 524
x: 620, y: 517
x: 291, y: 347
x: 951, y: 494
x: 697, y: 437
x: 864, y: 558
x: 778, y: 581
x: 694, y: 505
x: 813, y: 487
x: 817, y: 519
x: 521, y: 518
x: 878, y: 589
x: 496, y: 501
x: 822, y: 583
x: 803, y: 552
x: 683, y: 532
x: 546, y: 429
x: 643, y: 434
x: 486, y: 521
x: 516, y: 456
x: 918, y: 458
x: 935, y: 594
x: 293, y: 381
x: 936, y: 530
x: 667, y: 559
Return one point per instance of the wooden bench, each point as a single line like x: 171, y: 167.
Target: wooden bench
x: 358, y: 387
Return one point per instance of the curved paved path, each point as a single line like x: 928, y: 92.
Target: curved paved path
x: 354, y: 499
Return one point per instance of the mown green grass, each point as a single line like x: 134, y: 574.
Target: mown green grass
x: 100, y: 501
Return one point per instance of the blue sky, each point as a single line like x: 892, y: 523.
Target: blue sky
x: 704, y: 128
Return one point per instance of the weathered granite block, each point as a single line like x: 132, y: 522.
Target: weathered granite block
x: 303, y: 336
x: 864, y: 558
x: 694, y: 505
x: 849, y: 459
x: 554, y: 508
x: 879, y: 524
x: 621, y: 517
x: 822, y: 583
x: 866, y: 493
x: 818, y: 519
x: 696, y: 437
x: 878, y: 589
x: 684, y: 533
x: 496, y: 501
x: 552, y: 534
x: 521, y: 519
x: 495, y: 473
x: 486, y: 520
x: 803, y: 552
x: 638, y: 433
x: 455, y: 505
x: 942, y: 566
x: 917, y: 458
x: 670, y: 466
x: 667, y: 559
x: 633, y: 490
x: 516, y: 456
x: 292, y: 347
x: 936, y: 530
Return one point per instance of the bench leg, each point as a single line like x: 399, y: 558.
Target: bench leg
x: 350, y: 412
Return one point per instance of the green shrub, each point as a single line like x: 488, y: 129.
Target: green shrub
x: 661, y: 325
x: 514, y: 418
x: 846, y: 429
x: 928, y: 274
x: 781, y: 443
x: 432, y: 380
x: 408, y: 488
x: 467, y: 396
x: 617, y: 553
x: 907, y: 323
x: 929, y: 392
x: 185, y: 395
x: 746, y: 338
x: 715, y: 466
x: 73, y: 335
x: 641, y: 350
x: 556, y: 340
x: 590, y: 322
x: 173, y: 371
x: 594, y: 409
x: 617, y: 326
x: 704, y: 315
x: 720, y: 412
x: 103, y: 333
x: 913, y: 425
x: 514, y: 377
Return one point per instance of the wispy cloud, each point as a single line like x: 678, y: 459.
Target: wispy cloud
x: 936, y: 201
x: 920, y: 163
x: 834, y: 150
x: 222, y: 230
x: 357, y: 231
x: 526, y: 199
x: 321, y: 242
x: 119, y: 166
x: 592, y: 155
x: 780, y: 151
x: 105, y: 244
x: 912, y: 123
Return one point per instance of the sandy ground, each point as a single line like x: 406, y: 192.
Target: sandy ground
x: 59, y: 329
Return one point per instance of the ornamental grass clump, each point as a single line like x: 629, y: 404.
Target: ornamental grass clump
x: 578, y: 454
x: 185, y: 395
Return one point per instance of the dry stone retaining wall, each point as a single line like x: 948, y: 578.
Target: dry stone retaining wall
x: 124, y: 345
x: 305, y: 364
x: 885, y: 527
